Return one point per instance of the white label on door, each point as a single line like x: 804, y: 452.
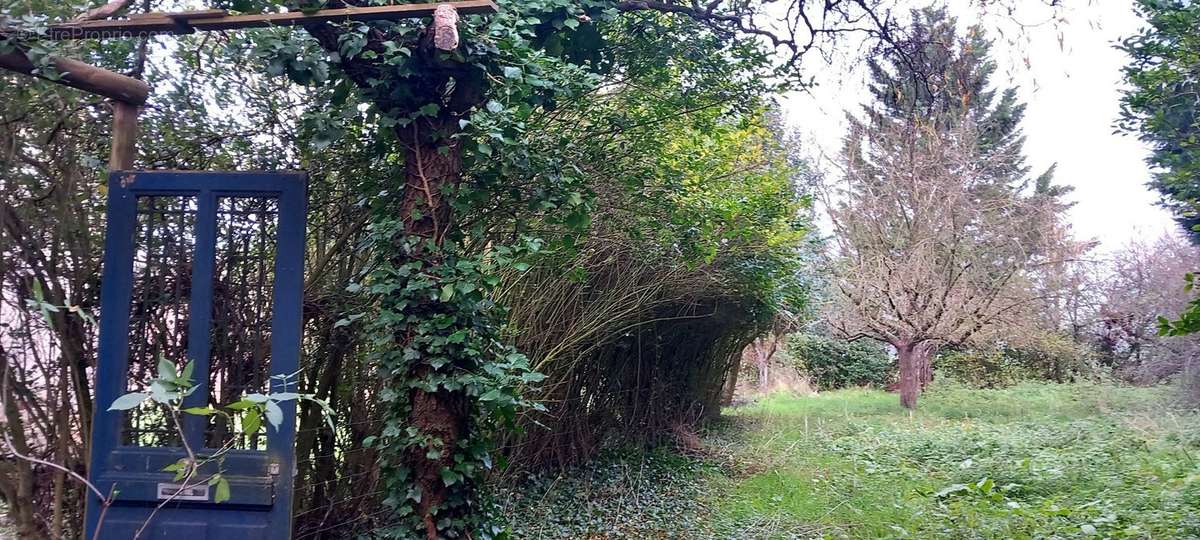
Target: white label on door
x: 179, y: 492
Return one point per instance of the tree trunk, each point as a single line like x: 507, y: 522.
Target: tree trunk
x: 731, y: 380
x: 924, y: 357
x: 432, y: 162
x: 18, y: 473
x: 760, y: 351
x: 910, y: 376
x: 764, y: 370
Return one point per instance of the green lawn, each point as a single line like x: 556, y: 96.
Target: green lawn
x: 1034, y: 461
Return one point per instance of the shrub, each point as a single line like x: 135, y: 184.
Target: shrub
x: 1048, y: 357
x: 835, y: 363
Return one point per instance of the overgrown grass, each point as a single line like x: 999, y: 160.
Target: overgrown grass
x: 1032, y: 461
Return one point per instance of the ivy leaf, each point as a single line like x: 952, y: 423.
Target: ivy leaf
x: 251, y: 421
x: 128, y: 401
x: 166, y: 369
x: 429, y: 109
x: 447, y: 293
x: 511, y: 72
x: 240, y: 405
x: 532, y: 377
x: 950, y: 490
x: 274, y: 414
x: 222, y: 491
x: 188, y: 368
x: 449, y: 477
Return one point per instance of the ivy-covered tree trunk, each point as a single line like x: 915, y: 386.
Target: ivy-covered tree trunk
x: 429, y: 334
x: 433, y: 165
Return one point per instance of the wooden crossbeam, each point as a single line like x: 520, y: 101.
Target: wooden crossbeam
x: 186, y: 22
x: 83, y: 76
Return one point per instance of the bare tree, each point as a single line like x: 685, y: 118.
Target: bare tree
x: 1145, y: 281
x: 930, y: 248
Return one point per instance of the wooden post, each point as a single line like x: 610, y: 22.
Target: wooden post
x: 124, y: 136
x: 126, y: 94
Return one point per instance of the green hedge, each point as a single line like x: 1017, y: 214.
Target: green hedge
x: 835, y: 363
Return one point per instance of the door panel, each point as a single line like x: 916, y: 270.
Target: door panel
x: 203, y: 267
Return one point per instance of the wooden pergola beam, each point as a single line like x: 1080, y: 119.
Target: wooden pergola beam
x: 207, y: 20
x: 83, y: 76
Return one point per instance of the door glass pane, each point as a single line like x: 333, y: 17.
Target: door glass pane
x: 163, y: 247
x: 243, y: 286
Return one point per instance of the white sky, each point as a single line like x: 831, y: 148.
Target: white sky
x: 1072, y: 95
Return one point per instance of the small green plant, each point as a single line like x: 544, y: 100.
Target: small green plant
x: 1189, y: 320
x: 169, y: 390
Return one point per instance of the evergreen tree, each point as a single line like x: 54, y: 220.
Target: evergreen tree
x: 1161, y: 105
x: 942, y: 77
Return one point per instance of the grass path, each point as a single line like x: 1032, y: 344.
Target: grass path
x: 1034, y: 461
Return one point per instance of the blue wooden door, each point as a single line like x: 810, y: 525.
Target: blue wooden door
x: 205, y: 267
